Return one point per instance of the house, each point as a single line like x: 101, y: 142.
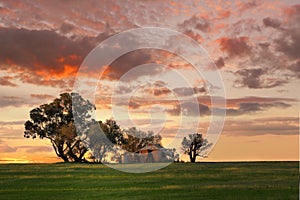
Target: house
x: 147, y: 154
x: 150, y: 153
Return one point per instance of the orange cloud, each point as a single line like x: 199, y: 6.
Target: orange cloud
x: 67, y: 71
x: 224, y: 14
x: 292, y: 10
x: 234, y: 46
x: 43, y: 57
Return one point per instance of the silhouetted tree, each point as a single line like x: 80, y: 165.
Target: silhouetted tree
x: 103, y: 137
x: 55, y: 121
x: 137, y: 139
x: 194, y: 145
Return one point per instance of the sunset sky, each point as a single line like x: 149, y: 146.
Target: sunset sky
x: 255, y: 46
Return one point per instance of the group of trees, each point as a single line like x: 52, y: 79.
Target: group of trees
x: 72, y: 141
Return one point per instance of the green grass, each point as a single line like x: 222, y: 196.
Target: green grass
x: 248, y: 180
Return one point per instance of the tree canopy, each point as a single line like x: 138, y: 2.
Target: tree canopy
x: 138, y: 139
x: 55, y: 121
x: 193, y: 145
x: 102, y: 138
x: 73, y: 132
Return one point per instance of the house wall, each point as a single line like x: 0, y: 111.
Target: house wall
x: 132, y: 157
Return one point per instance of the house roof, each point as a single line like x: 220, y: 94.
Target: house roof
x: 152, y: 147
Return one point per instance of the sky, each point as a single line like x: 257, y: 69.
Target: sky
x: 253, y: 45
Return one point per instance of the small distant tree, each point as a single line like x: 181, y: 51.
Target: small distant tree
x: 56, y: 121
x: 193, y: 145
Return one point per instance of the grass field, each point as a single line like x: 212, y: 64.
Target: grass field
x: 249, y: 180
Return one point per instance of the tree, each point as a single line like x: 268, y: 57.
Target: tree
x: 56, y: 122
x: 137, y: 139
x: 103, y: 137
x: 194, y: 145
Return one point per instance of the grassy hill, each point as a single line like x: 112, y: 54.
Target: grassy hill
x: 247, y: 180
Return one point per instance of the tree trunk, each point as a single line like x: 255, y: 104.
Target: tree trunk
x: 58, y: 150
x: 61, y: 154
x: 192, y: 154
x: 76, y: 158
x: 193, y: 159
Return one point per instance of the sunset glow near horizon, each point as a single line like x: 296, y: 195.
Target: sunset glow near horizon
x: 255, y: 46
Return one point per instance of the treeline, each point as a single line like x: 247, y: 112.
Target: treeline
x: 86, y: 139
x: 77, y: 137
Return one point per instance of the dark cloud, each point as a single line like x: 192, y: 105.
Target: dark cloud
x: 41, y: 50
x: 145, y: 102
x: 157, y: 89
x: 6, y: 101
x: 42, y: 56
x: 134, y: 105
x: 269, y: 22
x: 235, y: 107
x: 234, y: 46
x: 254, y: 78
x: 274, y: 63
x: 87, y: 18
x: 188, y: 91
x: 255, y: 99
x: 253, y: 107
x: 295, y: 67
x: 244, y: 27
x: 161, y: 91
x: 123, y: 89
x: 131, y: 60
x: 195, y: 27
x: 262, y: 126
x: 6, y: 81
x: 195, y: 23
x: 220, y: 62
x: 289, y: 41
x: 196, y: 36
x: 250, y: 77
x: 66, y: 28
x: 265, y: 64
x: 189, y: 109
